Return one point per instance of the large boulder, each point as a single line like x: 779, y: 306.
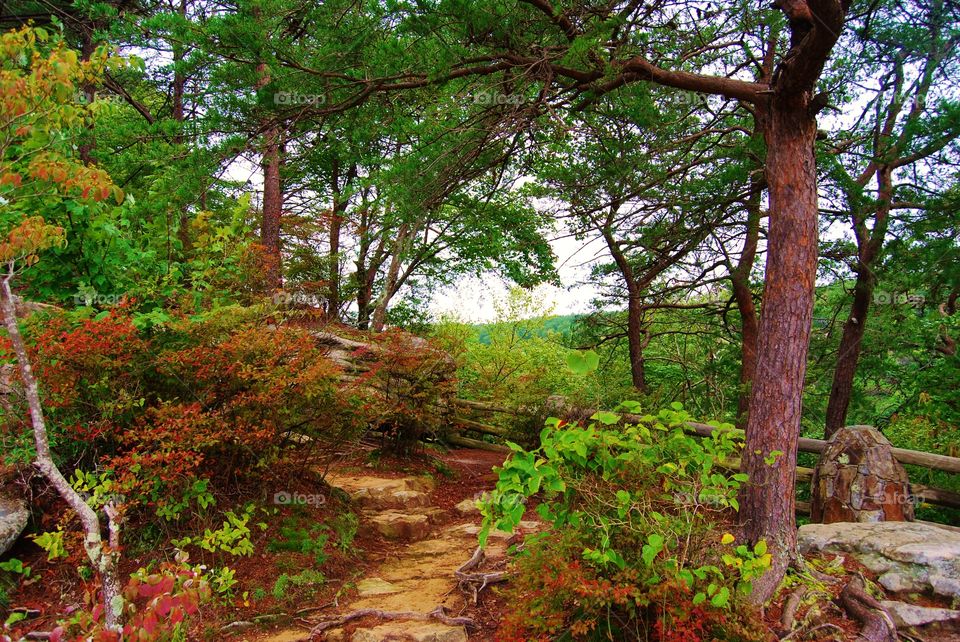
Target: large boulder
x: 14, y: 516
x: 909, y: 557
x: 859, y: 480
x: 909, y: 615
x: 9, y: 390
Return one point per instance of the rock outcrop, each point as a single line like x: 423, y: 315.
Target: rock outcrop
x: 910, y: 615
x: 859, y: 480
x: 908, y: 557
x: 14, y: 515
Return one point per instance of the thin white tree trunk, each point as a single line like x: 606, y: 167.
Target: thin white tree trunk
x: 102, y: 558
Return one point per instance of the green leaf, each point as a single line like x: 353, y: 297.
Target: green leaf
x: 617, y: 559
x: 722, y: 598
x: 556, y: 484
x: 14, y: 617
x: 583, y: 362
x: 533, y: 484
x: 606, y: 418
x: 652, y: 548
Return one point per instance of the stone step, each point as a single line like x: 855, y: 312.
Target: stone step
x: 415, y: 631
x: 374, y: 586
x: 472, y: 530
x: 379, y: 493
x: 397, y: 525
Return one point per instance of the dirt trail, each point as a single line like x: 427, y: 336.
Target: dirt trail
x: 432, y: 530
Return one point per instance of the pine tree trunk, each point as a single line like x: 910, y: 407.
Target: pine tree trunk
x: 848, y: 356
x: 272, y: 207
x: 773, y: 426
x: 333, y: 277
x: 749, y: 324
x: 89, y: 91
x: 636, y: 343
x: 390, y: 282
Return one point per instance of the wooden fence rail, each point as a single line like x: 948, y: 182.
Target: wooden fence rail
x: 930, y: 495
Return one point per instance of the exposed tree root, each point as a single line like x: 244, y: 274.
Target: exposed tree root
x: 875, y: 620
x: 474, y: 583
x: 438, y: 614
x: 790, y: 608
x: 807, y: 632
x: 802, y: 566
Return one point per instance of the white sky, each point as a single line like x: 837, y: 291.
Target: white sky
x: 472, y: 299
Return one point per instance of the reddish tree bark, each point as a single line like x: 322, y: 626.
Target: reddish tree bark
x: 767, y: 509
x: 272, y: 207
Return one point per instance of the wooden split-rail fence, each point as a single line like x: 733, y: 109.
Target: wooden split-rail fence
x: 465, y: 424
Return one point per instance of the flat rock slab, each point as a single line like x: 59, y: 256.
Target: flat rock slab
x: 384, y: 493
x: 467, y: 507
x: 14, y: 516
x: 415, y: 631
x: 396, y: 525
x: 472, y: 530
x: 909, y: 556
x: 376, y: 586
x: 909, y: 615
x: 418, y: 596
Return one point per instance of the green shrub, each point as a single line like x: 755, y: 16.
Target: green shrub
x: 637, y: 514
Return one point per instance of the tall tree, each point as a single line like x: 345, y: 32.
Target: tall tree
x: 907, y: 124
x: 652, y: 193
x: 581, y: 51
